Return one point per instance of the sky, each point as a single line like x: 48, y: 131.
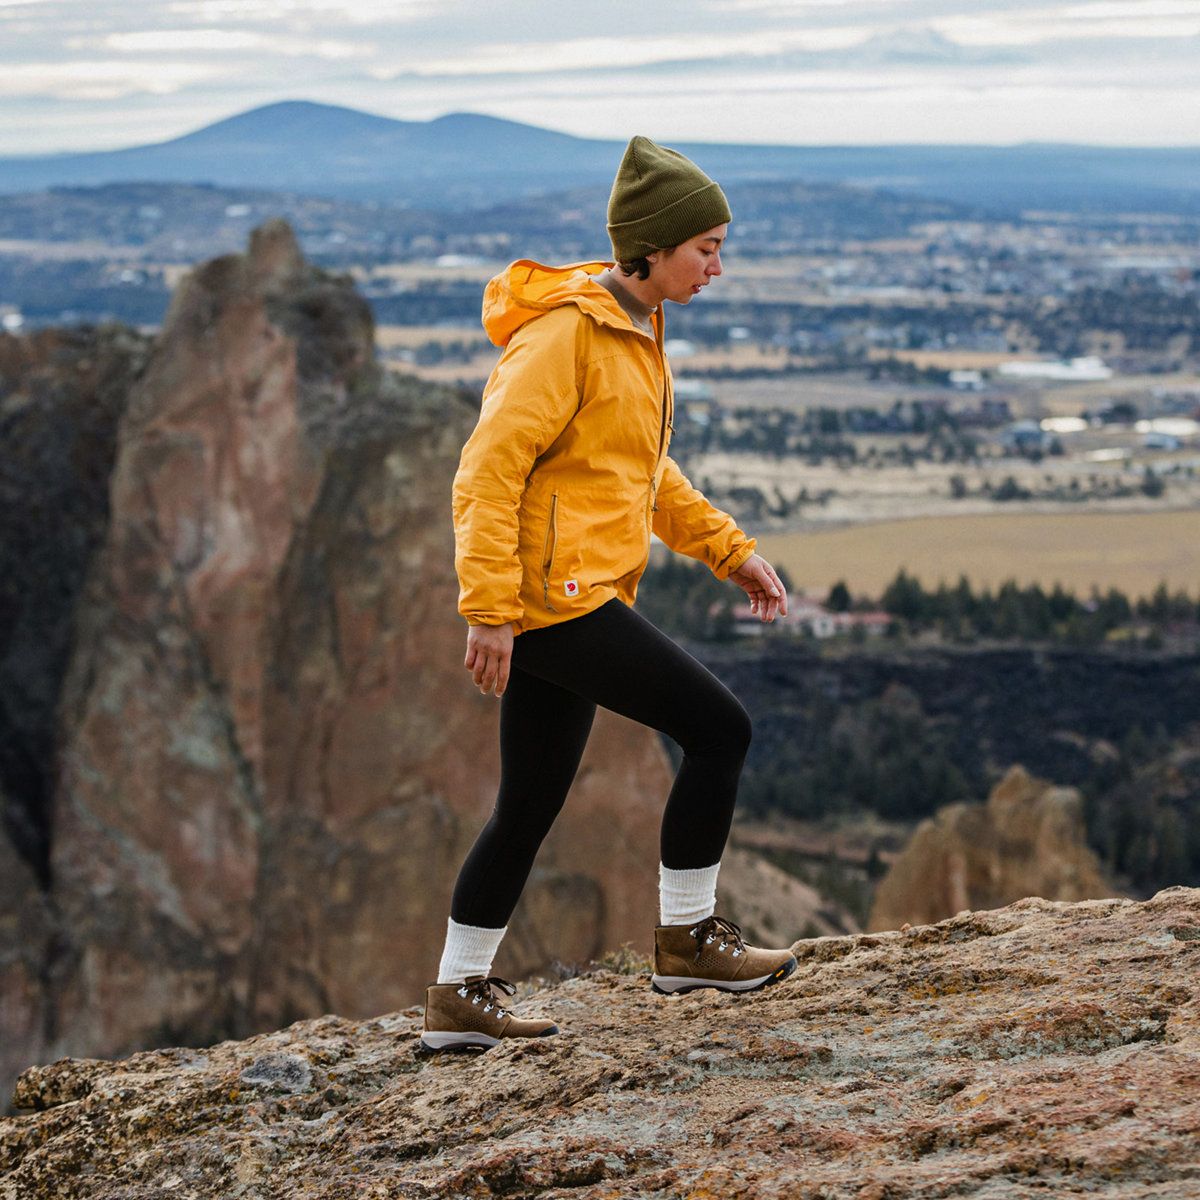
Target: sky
x: 103, y: 74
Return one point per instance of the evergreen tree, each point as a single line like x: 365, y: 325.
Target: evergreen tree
x: 839, y: 599
x: 905, y: 598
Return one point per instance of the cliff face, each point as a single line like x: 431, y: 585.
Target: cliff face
x: 1042, y: 1049
x: 271, y: 761
x: 1028, y: 840
x: 62, y: 394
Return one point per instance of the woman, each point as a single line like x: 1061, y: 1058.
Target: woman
x: 556, y: 496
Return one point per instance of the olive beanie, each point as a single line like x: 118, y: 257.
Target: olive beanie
x: 659, y: 199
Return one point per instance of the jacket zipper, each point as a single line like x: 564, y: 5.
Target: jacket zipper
x: 664, y: 424
x: 549, y: 546
x: 665, y: 418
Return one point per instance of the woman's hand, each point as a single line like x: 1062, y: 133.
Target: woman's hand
x: 757, y: 578
x: 489, y: 656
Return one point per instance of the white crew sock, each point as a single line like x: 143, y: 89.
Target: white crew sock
x: 685, y: 897
x: 469, y: 951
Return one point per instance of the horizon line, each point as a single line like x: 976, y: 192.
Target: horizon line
x: 618, y: 140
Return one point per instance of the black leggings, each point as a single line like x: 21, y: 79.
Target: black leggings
x: 615, y: 658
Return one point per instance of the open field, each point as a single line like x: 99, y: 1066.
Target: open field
x: 409, y: 337
x: 85, y: 248
x: 1130, y: 551
x: 875, y: 490
x: 469, y: 356
x: 843, y: 390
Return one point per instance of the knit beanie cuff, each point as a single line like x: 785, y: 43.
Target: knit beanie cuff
x: 702, y: 209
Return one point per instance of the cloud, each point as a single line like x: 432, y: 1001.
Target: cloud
x: 189, y: 41
x: 601, y: 53
x: 1116, y: 21
x: 283, y: 12
x: 698, y: 70
x: 103, y: 80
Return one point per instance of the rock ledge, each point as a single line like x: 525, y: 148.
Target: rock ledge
x: 1039, y: 1049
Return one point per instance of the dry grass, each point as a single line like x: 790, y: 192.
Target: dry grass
x: 414, y: 273
x: 90, y: 248
x: 1130, y: 551
x: 409, y: 337
x: 393, y: 339
x: 948, y: 360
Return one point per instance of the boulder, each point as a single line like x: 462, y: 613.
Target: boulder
x: 1027, y: 840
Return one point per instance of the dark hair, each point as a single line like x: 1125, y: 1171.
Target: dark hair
x: 641, y: 266
x: 636, y: 266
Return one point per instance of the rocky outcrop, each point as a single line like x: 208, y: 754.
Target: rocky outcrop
x: 270, y: 761
x: 1028, y: 840
x: 1042, y: 1049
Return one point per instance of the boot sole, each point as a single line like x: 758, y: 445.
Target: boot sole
x: 677, y: 985
x: 458, y: 1041
x: 433, y: 1040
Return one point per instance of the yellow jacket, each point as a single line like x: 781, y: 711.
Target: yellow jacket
x: 567, y: 473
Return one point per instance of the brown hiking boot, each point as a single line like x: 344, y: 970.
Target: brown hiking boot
x: 470, y: 1014
x: 711, y: 953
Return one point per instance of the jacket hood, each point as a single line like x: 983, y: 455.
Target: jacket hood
x: 527, y: 289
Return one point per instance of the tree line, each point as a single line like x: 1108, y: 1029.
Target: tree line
x: 1029, y: 613
x: 684, y: 599
x: 878, y: 728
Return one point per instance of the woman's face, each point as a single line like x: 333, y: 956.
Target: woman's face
x: 679, y: 274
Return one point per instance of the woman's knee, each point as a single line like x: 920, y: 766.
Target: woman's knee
x: 741, y: 730
x: 725, y: 733
x: 525, y: 818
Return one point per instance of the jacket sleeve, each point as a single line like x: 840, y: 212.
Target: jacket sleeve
x: 687, y: 523
x: 530, y: 398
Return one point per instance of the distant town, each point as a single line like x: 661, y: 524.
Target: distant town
x: 866, y: 354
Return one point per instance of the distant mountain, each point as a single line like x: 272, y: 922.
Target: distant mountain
x: 459, y: 161
x: 465, y: 161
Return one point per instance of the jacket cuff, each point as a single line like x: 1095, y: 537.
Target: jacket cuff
x: 736, y: 559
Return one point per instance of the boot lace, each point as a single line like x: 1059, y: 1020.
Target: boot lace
x: 479, y: 990
x: 717, y: 929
